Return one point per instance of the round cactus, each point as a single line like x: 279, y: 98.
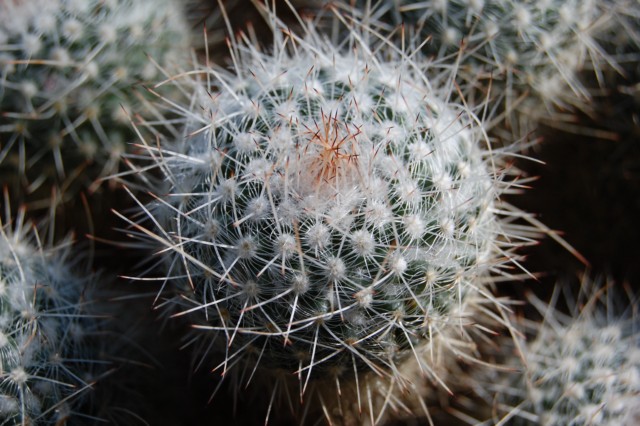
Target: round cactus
x: 327, y: 210
x: 49, y: 351
x: 67, y: 69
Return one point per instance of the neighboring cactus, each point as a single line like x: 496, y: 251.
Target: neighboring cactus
x: 581, y: 368
x: 533, y: 51
x: 49, y: 345
x: 326, y: 210
x: 584, y: 369
x: 67, y: 68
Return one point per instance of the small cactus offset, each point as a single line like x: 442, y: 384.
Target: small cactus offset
x: 326, y: 210
x: 49, y: 350
x: 67, y: 68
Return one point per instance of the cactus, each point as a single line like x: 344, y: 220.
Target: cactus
x: 584, y: 369
x: 325, y: 211
x: 580, y: 368
x: 50, y: 353
x: 624, y: 38
x: 532, y: 51
x: 67, y: 68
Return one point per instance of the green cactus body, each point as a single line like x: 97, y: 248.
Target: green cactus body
x: 66, y: 74
x: 326, y: 212
x: 49, y: 354
x: 334, y: 209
